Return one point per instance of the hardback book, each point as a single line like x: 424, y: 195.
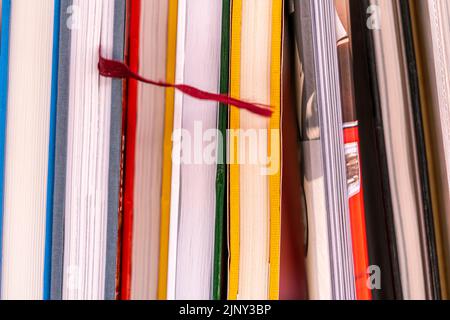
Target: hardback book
x: 148, y: 110
x: 196, y: 140
x: 429, y: 45
x: 254, y: 151
x: 381, y: 240
x: 401, y: 151
x: 429, y: 217
x: 163, y: 251
x: 88, y: 148
x: 29, y: 74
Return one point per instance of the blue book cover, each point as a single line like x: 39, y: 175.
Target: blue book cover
x: 60, y: 159
x: 4, y: 55
x: 51, y: 153
x: 4, y: 76
x: 54, y: 224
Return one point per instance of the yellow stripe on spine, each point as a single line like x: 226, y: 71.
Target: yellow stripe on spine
x: 167, y: 152
x: 235, y: 77
x: 275, y: 180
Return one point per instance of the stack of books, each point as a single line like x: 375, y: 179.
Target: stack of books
x: 224, y: 149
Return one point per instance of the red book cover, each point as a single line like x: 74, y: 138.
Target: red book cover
x: 122, y: 160
x: 130, y: 118
x: 352, y: 154
x: 357, y: 213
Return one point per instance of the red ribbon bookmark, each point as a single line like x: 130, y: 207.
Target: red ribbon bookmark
x: 119, y: 70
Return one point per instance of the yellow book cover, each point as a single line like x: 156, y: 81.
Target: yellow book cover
x: 255, y: 206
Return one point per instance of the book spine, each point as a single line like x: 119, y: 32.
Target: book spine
x: 115, y: 158
x: 130, y: 151
x: 60, y: 160
x: 166, y: 185
x: 51, y: 154
x: 234, y: 170
x: 219, y: 274
x: 275, y: 153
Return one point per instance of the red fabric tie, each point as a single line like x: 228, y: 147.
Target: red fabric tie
x: 119, y: 70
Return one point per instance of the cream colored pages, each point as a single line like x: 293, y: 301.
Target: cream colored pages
x: 432, y: 18
x: 149, y: 151
x: 400, y: 150
x: 254, y: 210
x: 318, y: 254
x: 438, y: 54
x: 26, y: 155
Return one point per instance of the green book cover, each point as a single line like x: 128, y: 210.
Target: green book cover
x: 220, y: 245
